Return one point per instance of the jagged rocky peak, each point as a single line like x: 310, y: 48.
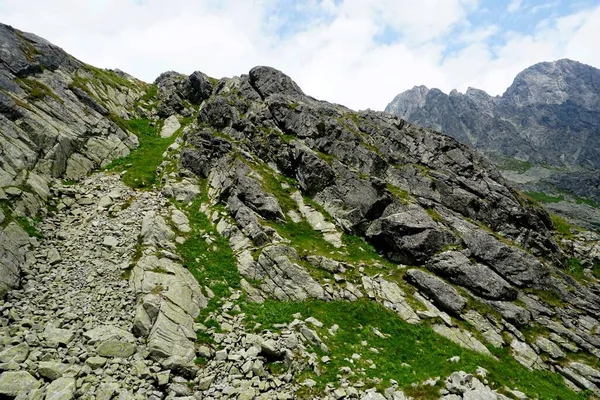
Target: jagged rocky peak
x: 408, y: 101
x: 556, y: 83
x: 25, y: 54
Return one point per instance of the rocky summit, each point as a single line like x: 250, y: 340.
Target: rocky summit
x: 201, y: 238
x: 542, y: 133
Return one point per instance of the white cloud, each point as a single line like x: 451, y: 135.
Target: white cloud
x: 514, y: 5
x: 332, y: 55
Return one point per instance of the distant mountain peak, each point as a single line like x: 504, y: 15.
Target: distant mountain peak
x: 550, y: 114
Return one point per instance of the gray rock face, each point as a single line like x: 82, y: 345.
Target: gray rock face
x: 442, y: 294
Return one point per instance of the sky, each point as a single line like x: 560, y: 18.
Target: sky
x: 360, y: 53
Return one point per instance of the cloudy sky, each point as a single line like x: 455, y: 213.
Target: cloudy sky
x: 360, y: 53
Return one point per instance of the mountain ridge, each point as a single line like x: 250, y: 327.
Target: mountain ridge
x: 198, y: 238
x: 504, y: 125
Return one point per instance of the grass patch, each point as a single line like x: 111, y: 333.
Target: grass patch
x: 562, y: 226
x: 589, y: 202
x: 279, y: 186
x: 512, y: 164
x: 307, y: 242
x: 29, y: 226
x: 574, y: 266
x: 547, y: 296
x: 110, y: 78
x: 416, y: 345
x: 151, y: 94
x: 213, y: 265
x: 539, y: 197
x: 140, y: 165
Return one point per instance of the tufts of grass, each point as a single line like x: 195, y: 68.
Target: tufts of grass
x: 140, y: 165
x: 549, y: 297
x: 423, y: 350
x: 512, y: 164
x: 110, y: 78
x: 279, y: 186
x: 401, y: 194
x: 589, y: 202
x: 29, y: 226
x: 36, y: 90
x: 435, y: 215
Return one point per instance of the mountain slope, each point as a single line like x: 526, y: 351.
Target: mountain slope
x: 271, y: 245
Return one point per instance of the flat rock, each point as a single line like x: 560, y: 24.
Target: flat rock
x: 56, y: 336
x: 53, y: 256
x: 170, y: 126
x: 52, y: 369
x: 16, y: 353
x: 116, y: 348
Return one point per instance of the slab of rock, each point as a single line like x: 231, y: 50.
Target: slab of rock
x: 155, y: 230
x: 485, y: 327
x: 57, y: 337
x: 61, y: 389
x: 444, y: 295
x: 170, y: 126
x: 107, y: 332
x: 96, y: 362
x: 110, y: 241
x: 525, y: 355
x: 14, y: 242
x: 462, y: 338
x: 458, y: 269
x: 53, y: 256
x: 391, y: 296
x: 184, y: 191
x: 14, y: 383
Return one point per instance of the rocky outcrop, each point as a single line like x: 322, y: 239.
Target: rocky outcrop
x: 443, y: 294
x: 169, y: 297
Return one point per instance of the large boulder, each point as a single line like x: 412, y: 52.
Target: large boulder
x: 267, y: 81
x: 14, y: 383
x: 14, y: 244
x: 409, y: 236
